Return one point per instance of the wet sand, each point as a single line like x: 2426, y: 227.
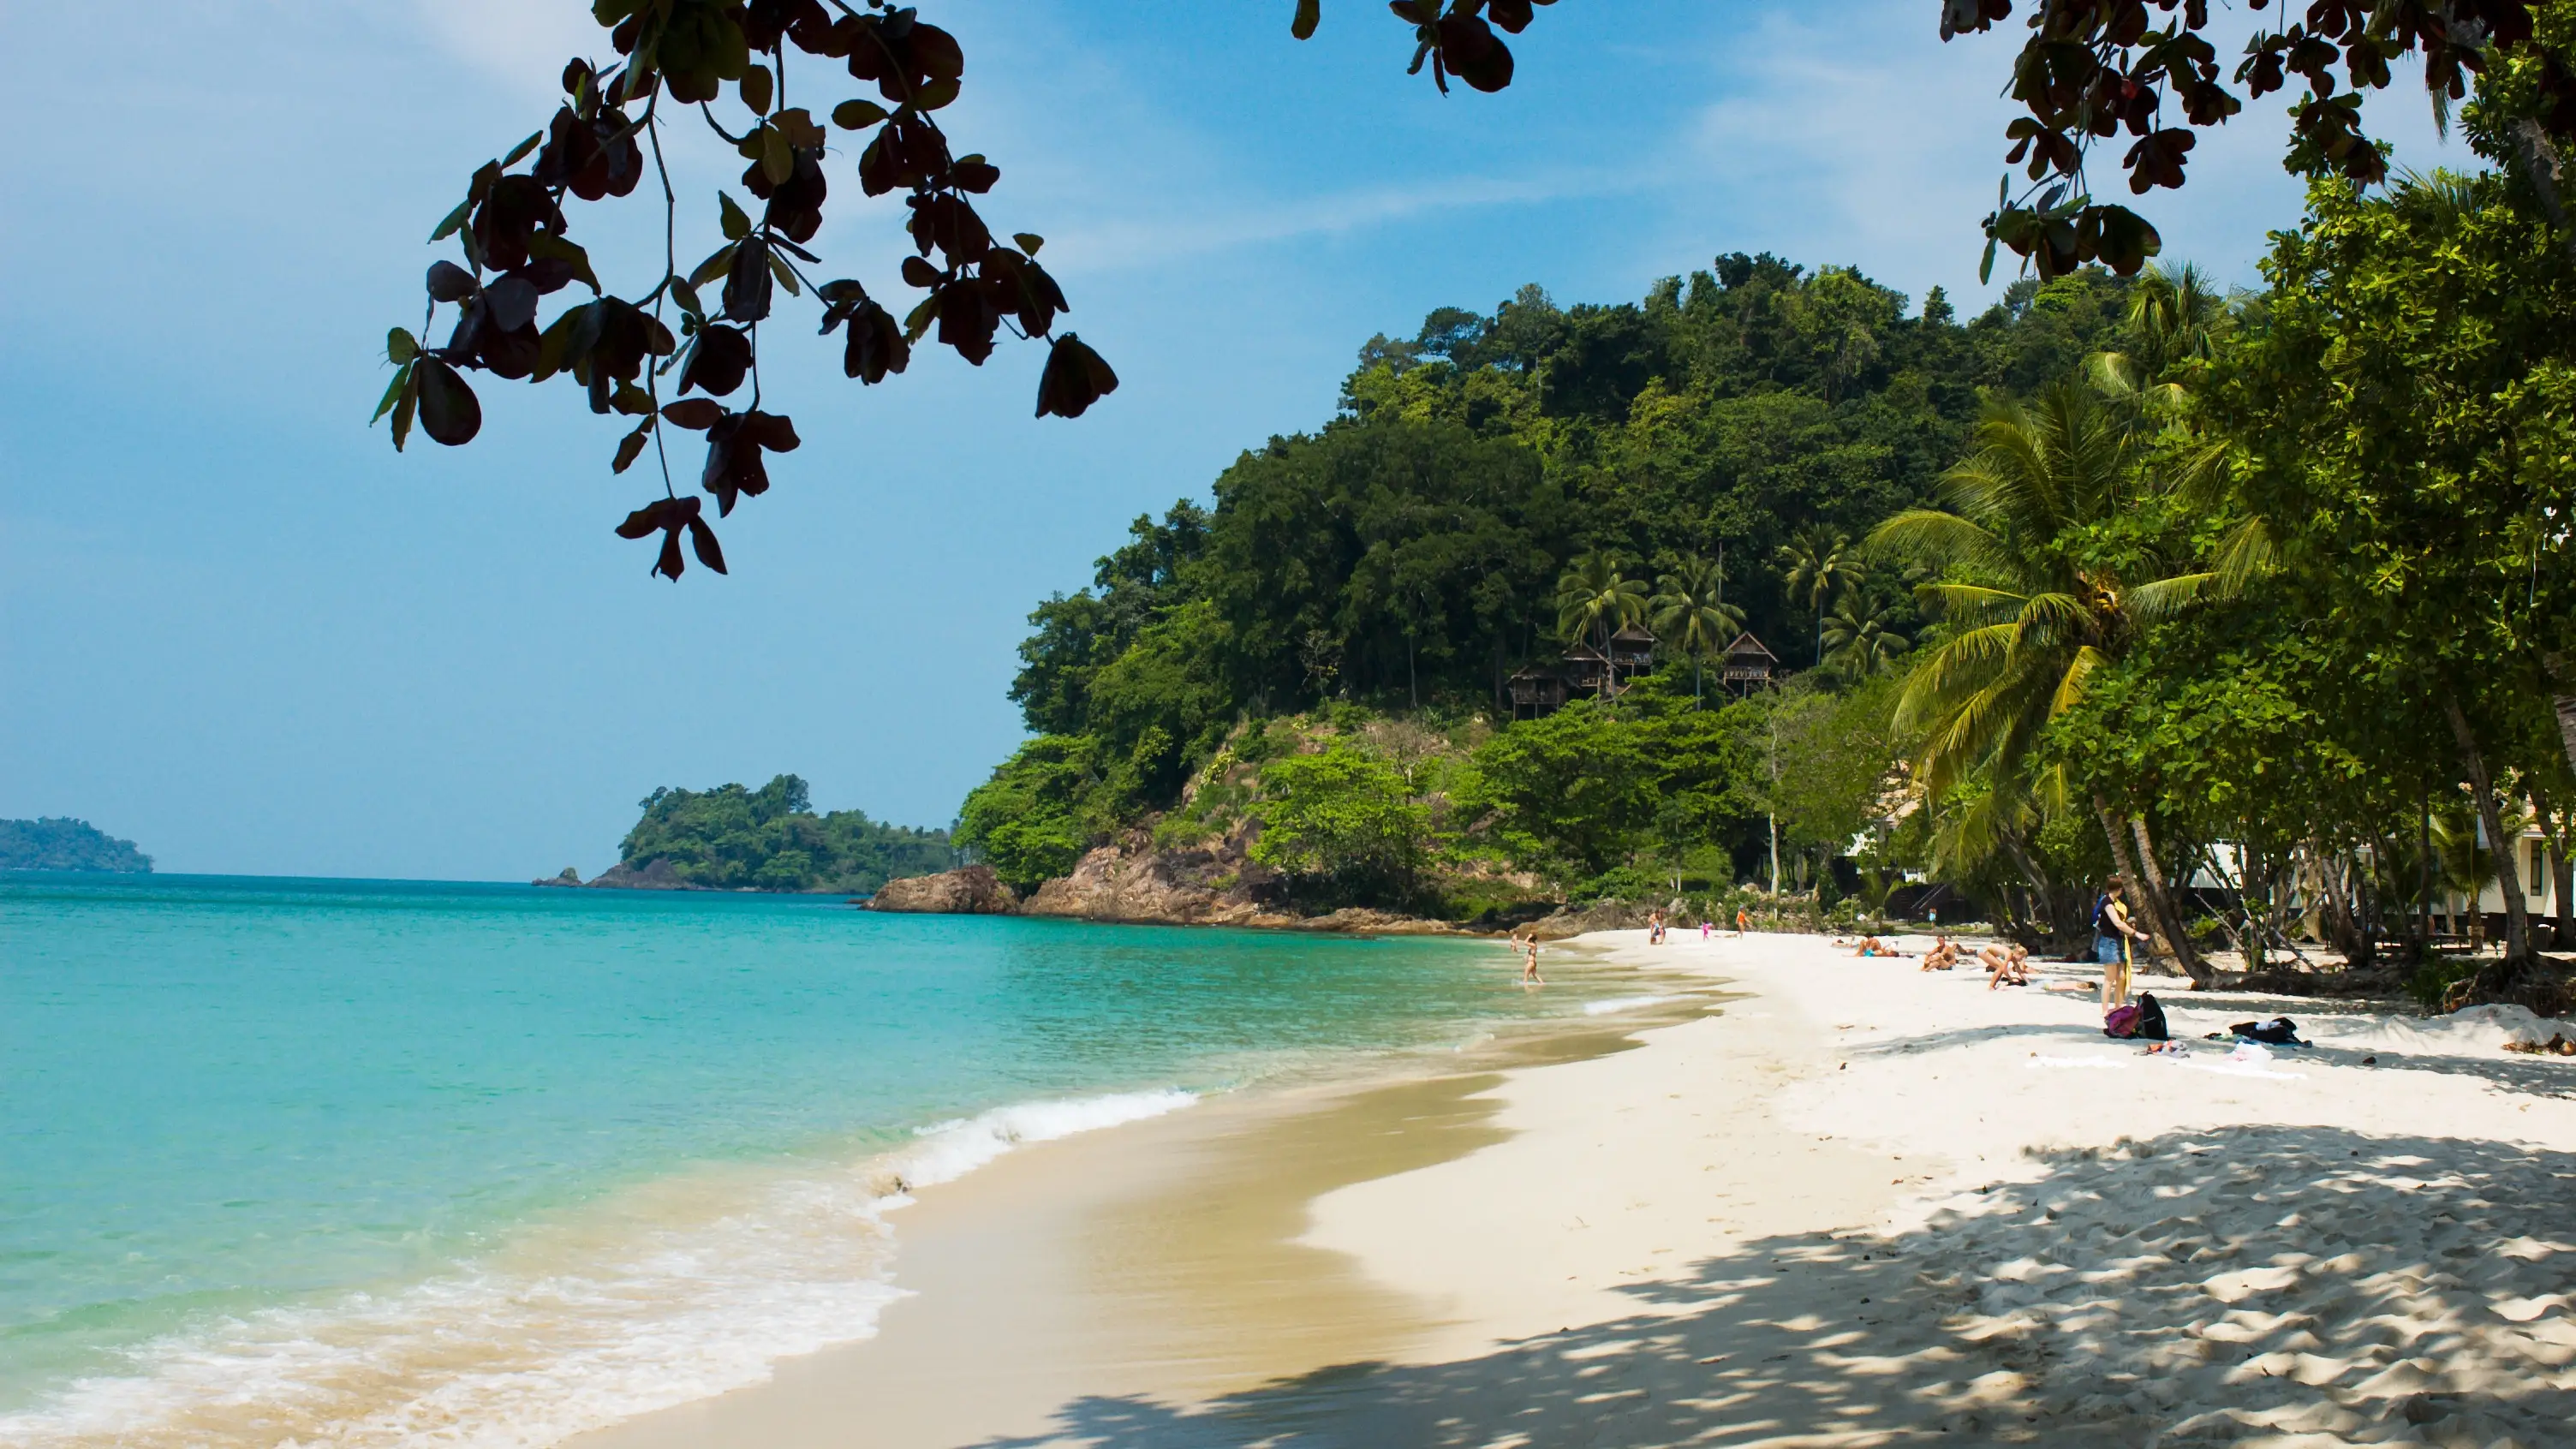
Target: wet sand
x: 1163, y: 1260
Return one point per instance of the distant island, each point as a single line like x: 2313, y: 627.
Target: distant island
x: 62, y: 843
x: 769, y: 839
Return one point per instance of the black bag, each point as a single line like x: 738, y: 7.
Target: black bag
x: 2151, y: 1018
x: 2279, y: 1031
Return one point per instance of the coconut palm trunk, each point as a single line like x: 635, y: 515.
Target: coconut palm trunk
x: 2175, y: 928
x: 2508, y: 875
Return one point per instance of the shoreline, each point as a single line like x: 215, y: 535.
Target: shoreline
x: 1853, y: 1203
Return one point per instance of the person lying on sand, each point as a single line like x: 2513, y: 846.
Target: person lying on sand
x: 2005, y: 964
x: 1943, y: 955
x: 1872, y: 946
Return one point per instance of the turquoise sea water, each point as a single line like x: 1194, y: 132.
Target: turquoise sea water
x: 360, y: 1162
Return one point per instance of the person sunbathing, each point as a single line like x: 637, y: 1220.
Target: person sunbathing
x: 2006, y: 965
x: 1943, y: 955
x: 1872, y: 946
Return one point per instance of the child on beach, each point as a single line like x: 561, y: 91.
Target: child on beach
x: 1705, y: 926
x: 1742, y: 915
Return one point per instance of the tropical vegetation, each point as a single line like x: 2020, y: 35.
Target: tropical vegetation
x: 732, y: 838
x: 62, y: 843
x: 2260, y: 599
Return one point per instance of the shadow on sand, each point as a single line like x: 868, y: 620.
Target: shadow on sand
x: 2275, y: 1285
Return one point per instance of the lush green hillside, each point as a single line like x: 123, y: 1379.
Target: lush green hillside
x: 1405, y: 558
x: 60, y: 843
x: 731, y: 838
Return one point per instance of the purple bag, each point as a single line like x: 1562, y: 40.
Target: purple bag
x: 2122, y: 1022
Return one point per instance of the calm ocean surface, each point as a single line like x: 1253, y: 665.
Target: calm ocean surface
x: 376, y: 1163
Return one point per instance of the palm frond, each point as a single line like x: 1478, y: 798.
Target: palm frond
x: 2164, y: 598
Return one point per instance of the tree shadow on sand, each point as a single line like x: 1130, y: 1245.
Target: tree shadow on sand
x: 2533, y: 1076
x: 2277, y: 1285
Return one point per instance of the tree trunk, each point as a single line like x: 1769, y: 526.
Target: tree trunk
x: 2508, y: 874
x: 2121, y: 863
x: 2541, y: 167
x: 2177, y: 930
x: 2043, y: 894
x: 2553, y: 831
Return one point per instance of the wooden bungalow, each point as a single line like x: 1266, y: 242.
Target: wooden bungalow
x: 1541, y: 689
x: 1749, y: 666
x: 1632, y: 651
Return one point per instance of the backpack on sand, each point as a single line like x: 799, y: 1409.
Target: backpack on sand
x: 2151, y: 1018
x: 2121, y: 1022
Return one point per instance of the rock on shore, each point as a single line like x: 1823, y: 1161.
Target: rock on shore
x: 971, y: 891
x: 1212, y: 884
x: 1216, y: 884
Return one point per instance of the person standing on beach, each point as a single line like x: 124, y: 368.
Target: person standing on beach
x: 2112, y: 933
x: 1742, y: 915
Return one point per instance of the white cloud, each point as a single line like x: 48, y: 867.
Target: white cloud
x: 521, y: 43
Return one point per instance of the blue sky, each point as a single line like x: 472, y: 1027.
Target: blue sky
x: 236, y: 627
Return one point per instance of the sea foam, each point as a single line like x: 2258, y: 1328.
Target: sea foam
x: 676, y: 1291
x: 1624, y: 1003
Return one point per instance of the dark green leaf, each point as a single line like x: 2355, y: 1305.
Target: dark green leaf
x: 395, y: 389
x: 1029, y: 241
x: 633, y: 401
x: 523, y: 148
x: 755, y: 89
x: 548, y: 246
x: 857, y: 115
x: 447, y: 228
x: 716, y: 265
x: 736, y: 225
x: 697, y: 414
x: 786, y: 276
x: 449, y: 412
x: 630, y: 447
x: 777, y: 158
x: 406, y: 405
x: 1309, y: 15
x: 400, y: 347
x: 449, y: 282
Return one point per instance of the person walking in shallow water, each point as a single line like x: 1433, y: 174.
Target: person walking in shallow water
x: 1529, y: 964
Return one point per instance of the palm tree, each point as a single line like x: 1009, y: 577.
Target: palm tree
x: 1594, y: 600
x: 1858, y: 640
x: 2032, y: 618
x: 1692, y: 613
x: 1816, y: 567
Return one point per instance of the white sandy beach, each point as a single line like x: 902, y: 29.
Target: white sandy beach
x: 1861, y: 1204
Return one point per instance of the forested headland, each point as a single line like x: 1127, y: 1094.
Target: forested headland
x: 62, y: 843
x: 1377, y: 581
x: 2256, y: 597
x: 769, y: 839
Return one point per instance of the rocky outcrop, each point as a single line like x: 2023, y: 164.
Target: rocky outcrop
x: 570, y: 877
x: 654, y: 875
x: 1215, y: 884
x: 1604, y: 916
x: 971, y: 891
